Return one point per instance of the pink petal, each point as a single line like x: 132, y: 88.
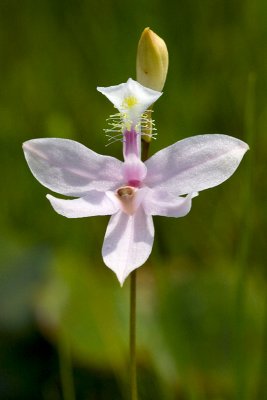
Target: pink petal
x: 94, y: 203
x: 195, y: 164
x: 69, y: 168
x: 158, y: 202
x: 134, y: 170
x: 128, y: 242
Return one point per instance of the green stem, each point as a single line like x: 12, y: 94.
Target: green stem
x: 145, y: 150
x: 133, y: 382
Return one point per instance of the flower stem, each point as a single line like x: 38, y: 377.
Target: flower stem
x: 133, y: 375
x: 145, y: 149
x: 133, y: 382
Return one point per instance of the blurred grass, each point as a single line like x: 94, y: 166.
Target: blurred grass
x: 202, y: 312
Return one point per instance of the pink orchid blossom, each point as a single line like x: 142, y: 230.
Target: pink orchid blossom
x: 131, y: 191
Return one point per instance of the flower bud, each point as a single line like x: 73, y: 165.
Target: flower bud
x: 152, y: 60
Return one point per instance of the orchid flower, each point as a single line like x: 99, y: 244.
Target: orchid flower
x: 131, y: 191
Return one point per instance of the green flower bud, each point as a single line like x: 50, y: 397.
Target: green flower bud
x: 152, y: 60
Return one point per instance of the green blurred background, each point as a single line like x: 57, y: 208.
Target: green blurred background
x: 202, y: 299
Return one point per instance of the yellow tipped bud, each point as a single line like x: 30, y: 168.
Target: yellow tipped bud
x: 152, y: 60
x: 151, y: 69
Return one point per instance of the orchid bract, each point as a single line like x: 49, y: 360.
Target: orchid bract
x: 131, y: 191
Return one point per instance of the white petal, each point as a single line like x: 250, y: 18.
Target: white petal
x: 69, y: 168
x: 128, y: 242
x: 195, y: 164
x: 94, y: 203
x: 131, y: 89
x: 158, y: 202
